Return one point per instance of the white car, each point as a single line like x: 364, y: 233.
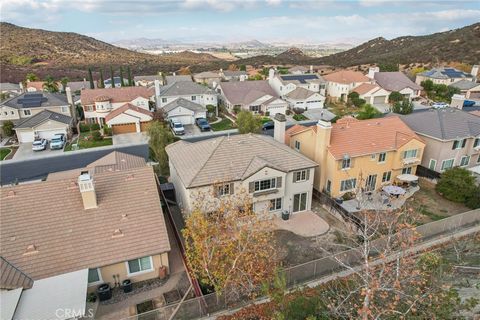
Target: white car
x: 439, y: 105
x: 177, y: 127
x: 39, y: 145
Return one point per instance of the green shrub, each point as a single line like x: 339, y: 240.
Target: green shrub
x: 97, y: 136
x: 211, y: 108
x: 94, y: 126
x: 84, y: 127
x: 473, y: 200
x: 237, y: 109
x: 107, y: 130
x: 457, y: 184
x: 395, y: 96
x: 8, y: 128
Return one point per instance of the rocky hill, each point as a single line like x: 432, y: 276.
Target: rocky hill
x: 459, y: 45
x: 44, y: 52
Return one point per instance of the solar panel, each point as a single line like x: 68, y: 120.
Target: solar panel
x: 30, y: 100
x: 299, y: 77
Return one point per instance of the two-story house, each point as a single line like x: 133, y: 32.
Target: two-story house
x: 187, y: 90
x: 10, y: 89
x: 275, y: 177
x: 104, y: 220
x: 357, y: 155
x: 38, y: 114
x: 125, y: 109
x: 341, y: 83
x: 395, y: 81
x: 446, y: 75
x: 452, y: 137
x: 255, y: 96
x: 283, y: 84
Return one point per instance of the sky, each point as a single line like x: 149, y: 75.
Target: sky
x: 296, y: 22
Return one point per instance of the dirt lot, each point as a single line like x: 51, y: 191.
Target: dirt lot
x: 431, y: 205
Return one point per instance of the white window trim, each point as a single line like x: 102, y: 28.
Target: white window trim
x: 384, y: 160
x: 91, y: 284
x: 129, y: 274
x: 259, y: 183
x: 465, y: 165
x: 453, y: 164
x: 281, y: 205
x: 301, y: 173
x: 430, y: 162
x: 299, y: 145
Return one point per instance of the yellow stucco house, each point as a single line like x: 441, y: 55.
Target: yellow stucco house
x: 354, y: 154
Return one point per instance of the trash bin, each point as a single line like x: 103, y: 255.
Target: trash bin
x: 127, y: 285
x: 339, y: 200
x: 104, y: 292
x: 285, y: 215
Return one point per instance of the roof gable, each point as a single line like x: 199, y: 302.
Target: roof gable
x: 115, y: 95
x: 41, y: 117
x: 124, y: 108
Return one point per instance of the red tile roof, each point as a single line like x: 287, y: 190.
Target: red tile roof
x: 125, y: 94
x: 346, y: 77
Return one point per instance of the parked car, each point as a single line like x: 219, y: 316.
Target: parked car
x: 58, y: 141
x: 202, y: 123
x: 268, y: 125
x: 439, y: 105
x: 468, y: 103
x: 177, y: 127
x: 39, y: 145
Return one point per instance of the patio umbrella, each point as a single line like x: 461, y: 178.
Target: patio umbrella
x: 407, y: 177
x: 394, y: 190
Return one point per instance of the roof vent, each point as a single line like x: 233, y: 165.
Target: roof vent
x: 11, y: 194
x: 31, y: 249
x: 13, y: 238
x: 124, y: 216
x: 130, y: 177
x: 117, y: 233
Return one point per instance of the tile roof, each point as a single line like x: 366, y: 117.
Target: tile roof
x: 231, y: 158
x: 206, y: 75
x: 298, y: 68
x: 465, y: 84
x: 229, y: 73
x: 183, y: 88
x: 244, y: 92
x: 346, y: 77
x: 187, y: 104
x: 49, y: 219
x: 38, y: 85
x: 444, y: 124
x: 80, y: 85
x: 148, y: 78
x: 475, y: 113
x: 366, y: 88
x: 178, y: 78
x: 395, y: 81
x: 116, y: 95
x: 41, y: 117
x: 125, y: 107
x: 12, y: 277
x: 445, y: 73
x: 299, y: 93
x: 300, y: 78
x: 7, y: 86
x: 49, y: 100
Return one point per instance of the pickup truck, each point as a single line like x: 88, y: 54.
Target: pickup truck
x: 58, y: 141
x: 177, y: 127
x: 202, y: 123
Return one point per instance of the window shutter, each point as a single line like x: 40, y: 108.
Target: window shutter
x: 294, y: 176
x: 251, y: 187
x: 308, y: 175
x: 279, y: 182
x: 231, y: 188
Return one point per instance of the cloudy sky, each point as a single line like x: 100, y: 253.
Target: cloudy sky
x: 294, y: 21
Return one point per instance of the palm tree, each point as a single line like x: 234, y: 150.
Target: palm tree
x: 31, y: 77
x: 64, y: 82
x: 50, y: 84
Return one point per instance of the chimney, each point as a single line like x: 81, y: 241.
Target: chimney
x: 474, y: 71
x: 324, y: 131
x: 457, y: 101
x: 87, y: 189
x: 271, y: 74
x: 311, y: 69
x: 157, y: 93
x: 174, y: 74
x: 280, y: 123
x: 68, y: 92
x: 372, y: 71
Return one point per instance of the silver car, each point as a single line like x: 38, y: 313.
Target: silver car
x: 39, y: 145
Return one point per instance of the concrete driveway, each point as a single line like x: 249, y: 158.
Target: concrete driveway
x: 129, y: 138
x: 319, y: 114
x: 25, y: 152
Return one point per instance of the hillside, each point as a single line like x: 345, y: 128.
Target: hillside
x: 460, y: 45
x: 25, y: 50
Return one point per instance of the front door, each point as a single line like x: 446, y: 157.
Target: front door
x: 300, y: 202
x: 371, y: 182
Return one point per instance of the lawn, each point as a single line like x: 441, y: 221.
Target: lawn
x: 85, y: 141
x: 431, y: 205
x: 299, y: 117
x: 4, y: 152
x: 225, y: 124
x: 266, y: 119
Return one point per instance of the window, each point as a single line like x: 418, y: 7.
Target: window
x: 194, y: 98
x: 299, y: 202
x: 407, y: 170
x: 447, y: 164
x: 373, y: 156
x: 301, y: 175
x: 459, y: 144
x: 346, y: 163
x: 265, y: 184
x: 144, y: 264
x: 164, y: 100
x: 225, y: 189
x: 476, y: 143
x: 255, y: 108
x: 348, y: 184
x: 94, y: 276
x: 464, y: 161
x: 12, y: 112
x: 297, y: 145
x: 27, y: 112
x: 64, y: 109
x: 88, y: 108
x: 382, y: 156
x: 6, y: 113
x: 275, y: 204
x: 387, y: 176
x: 328, y: 189
x: 433, y: 164
x: 410, y: 154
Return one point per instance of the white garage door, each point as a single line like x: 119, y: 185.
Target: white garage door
x: 201, y: 115
x: 184, y: 119
x: 25, y: 136
x: 379, y: 100
x: 48, y: 134
x: 276, y: 109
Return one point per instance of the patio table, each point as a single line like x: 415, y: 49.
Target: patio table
x: 394, y: 190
